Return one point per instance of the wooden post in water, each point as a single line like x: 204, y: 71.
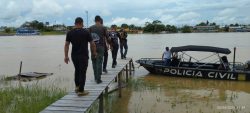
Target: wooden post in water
x: 234, y: 59
x: 106, y: 91
x: 101, y: 103
x: 126, y: 73
x: 20, y: 69
x: 130, y: 73
x: 119, y: 85
x: 133, y: 65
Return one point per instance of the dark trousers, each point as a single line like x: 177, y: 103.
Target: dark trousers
x: 166, y: 62
x: 81, y: 64
x: 114, y: 54
x: 97, y: 62
x: 105, y: 58
x: 125, y: 46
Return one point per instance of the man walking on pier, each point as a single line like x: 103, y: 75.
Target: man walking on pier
x: 123, y: 43
x: 114, y: 45
x: 106, y: 48
x: 79, y: 39
x: 98, y: 33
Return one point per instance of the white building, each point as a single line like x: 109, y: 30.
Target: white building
x: 59, y: 27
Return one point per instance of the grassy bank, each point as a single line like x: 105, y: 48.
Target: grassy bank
x: 53, y: 33
x: 28, y: 99
x: 7, y: 34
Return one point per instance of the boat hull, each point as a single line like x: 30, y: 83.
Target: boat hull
x: 198, y: 73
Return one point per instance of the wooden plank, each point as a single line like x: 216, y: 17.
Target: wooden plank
x: 72, y: 103
x: 88, y: 91
x: 91, y: 93
x: 66, y: 109
x: 60, y: 111
x: 97, y: 85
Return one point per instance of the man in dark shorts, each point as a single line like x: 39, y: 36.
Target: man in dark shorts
x: 98, y: 33
x: 114, y: 44
x: 123, y: 43
x: 79, y: 39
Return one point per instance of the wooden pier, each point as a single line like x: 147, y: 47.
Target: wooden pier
x: 71, y: 103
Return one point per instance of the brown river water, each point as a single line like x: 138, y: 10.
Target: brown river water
x: 149, y: 93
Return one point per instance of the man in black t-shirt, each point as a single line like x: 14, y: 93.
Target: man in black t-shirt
x: 79, y: 39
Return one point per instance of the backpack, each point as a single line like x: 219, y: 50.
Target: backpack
x: 95, y: 38
x: 114, y: 37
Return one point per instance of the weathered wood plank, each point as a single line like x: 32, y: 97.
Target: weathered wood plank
x: 91, y: 93
x: 60, y: 111
x: 69, y: 109
x: 72, y: 103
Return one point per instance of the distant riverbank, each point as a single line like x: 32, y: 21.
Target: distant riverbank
x: 64, y: 33
x: 42, y: 33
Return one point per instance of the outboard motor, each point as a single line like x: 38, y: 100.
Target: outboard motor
x: 247, y: 65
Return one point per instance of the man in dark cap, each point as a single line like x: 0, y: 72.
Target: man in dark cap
x: 123, y: 43
x: 98, y: 33
x: 79, y: 39
x: 114, y: 44
x: 106, y: 48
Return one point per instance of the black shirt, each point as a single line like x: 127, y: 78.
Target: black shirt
x: 79, y: 39
x: 123, y: 37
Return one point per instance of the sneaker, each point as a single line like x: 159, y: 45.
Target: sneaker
x: 77, y: 89
x: 105, y: 70
x: 83, y: 93
x: 99, y: 81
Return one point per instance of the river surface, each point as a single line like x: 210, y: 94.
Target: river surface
x: 150, y: 93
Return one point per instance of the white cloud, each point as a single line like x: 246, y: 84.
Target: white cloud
x: 105, y: 12
x: 67, y: 6
x: 167, y: 19
x: 46, y: 8
x: 178, y: 12
x: 227, y: 12
x: 133, y: 20
x: 188, y: 16
x: 11, y: 10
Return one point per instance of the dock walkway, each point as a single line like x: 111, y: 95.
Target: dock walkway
x: 71, y: 103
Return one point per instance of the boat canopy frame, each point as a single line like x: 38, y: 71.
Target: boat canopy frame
x: 200, y: 48
x: 184, y: 53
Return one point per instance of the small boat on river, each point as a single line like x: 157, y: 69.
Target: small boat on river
x: 185, y: 65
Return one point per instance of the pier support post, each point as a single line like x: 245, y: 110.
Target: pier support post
x: 133, y: 65
x: 115, y: 79
x: 101, y: 103
x: 120, y: 84
x: 130, y: 73
x: 106, y: 91
x: 126, y: 73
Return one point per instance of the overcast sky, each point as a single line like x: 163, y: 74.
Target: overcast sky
x: 176, y: 12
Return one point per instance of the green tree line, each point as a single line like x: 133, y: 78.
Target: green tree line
x: 157, y: 26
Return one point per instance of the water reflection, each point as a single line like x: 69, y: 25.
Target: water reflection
x: 161, y: 94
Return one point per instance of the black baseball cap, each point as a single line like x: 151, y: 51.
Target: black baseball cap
x: 78, y: 20
x: 98, y: 18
